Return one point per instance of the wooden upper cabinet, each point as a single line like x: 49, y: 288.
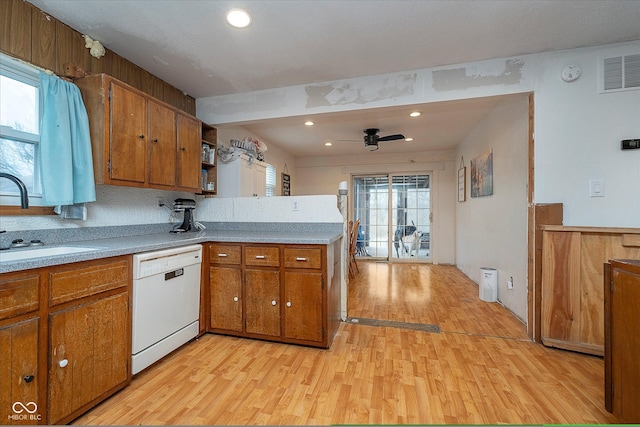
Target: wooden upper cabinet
x: 128, y: 147
x: 189, y: 157
x: 162, y: 145
x: 139, y: 140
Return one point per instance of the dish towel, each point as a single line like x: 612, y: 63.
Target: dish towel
x: 66, y: 161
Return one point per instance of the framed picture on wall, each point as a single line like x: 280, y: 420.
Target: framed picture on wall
x: 286, y: 184
x: 462, y: 184
x: 482, y: 175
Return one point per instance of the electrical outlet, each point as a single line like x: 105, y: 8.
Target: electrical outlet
x: 296, y: 205
x: 510, y: 283
x: 160, y: 201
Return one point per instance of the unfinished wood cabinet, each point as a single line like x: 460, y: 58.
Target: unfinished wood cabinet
x: 622, y: 340
x: 139, y: 141
x: 572, y: 275
x: 285, y: 293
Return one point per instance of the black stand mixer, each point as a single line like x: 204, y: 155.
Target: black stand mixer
x: 187, y: 206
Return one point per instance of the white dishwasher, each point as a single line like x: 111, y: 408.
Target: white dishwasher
x: 166, y: 302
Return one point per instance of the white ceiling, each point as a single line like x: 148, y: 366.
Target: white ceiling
x: 188, y: 44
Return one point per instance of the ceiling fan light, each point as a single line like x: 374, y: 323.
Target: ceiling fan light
x: 371, y: 147
x: 238, y: 18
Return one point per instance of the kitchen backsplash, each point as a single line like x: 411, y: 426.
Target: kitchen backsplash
x: 118, y: 206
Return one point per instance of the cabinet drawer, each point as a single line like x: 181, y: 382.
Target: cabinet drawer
x: 303, y: 258
x: 19, y: 295
x: 81, y: 281
x: 224, y: 254
x: 262, y: 255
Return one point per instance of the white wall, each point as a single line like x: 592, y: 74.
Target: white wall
x: 113, y: 206
x: 577, y: 130
x: 322, y: 176
x: 274, y: 155
x: 578, y: 134
x: 313, y: 209
x: 491, y: 231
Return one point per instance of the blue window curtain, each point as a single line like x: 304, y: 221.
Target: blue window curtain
x: 66, y: 161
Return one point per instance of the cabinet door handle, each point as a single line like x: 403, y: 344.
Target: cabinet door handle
x: 63, y: 363
x: 261, y: 256
x: 28, y: 378
x: 235, y: 299
x: 273, y: 302
x: 301, y: 259
x: 288, y: 303
x: 182, y: 149
x: 141, y: 136
x: 222, y: 255
x: 154, y: 140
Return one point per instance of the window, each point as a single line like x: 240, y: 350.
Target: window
x: 20, y: 111
x: 271, y: 181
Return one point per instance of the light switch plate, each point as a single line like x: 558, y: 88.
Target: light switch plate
x: 596, y: 188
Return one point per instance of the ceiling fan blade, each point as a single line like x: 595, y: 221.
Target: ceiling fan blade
x: 391, y: 137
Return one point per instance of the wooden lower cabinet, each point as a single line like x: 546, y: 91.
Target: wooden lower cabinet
x: 572, y: 307
x: 65, y: 339
x: 19, y: 376
x: 262, y: 302
x: 89, y: 350
x: 225, y: 285
x: 303, y: 305
x: 622, y: 341
x: 275, y: 292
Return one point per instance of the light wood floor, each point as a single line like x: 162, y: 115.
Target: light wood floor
x: 480, y: 369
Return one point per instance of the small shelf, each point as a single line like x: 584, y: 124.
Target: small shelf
x: 209, y: 170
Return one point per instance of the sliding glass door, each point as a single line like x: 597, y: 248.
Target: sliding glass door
x: 395, y: 216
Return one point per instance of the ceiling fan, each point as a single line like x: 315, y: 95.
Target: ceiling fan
x: 372, y: 138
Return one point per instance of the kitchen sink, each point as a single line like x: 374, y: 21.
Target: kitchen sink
x: 22, y: 254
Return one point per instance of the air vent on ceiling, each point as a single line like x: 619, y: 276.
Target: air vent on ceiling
x: 620, y: 73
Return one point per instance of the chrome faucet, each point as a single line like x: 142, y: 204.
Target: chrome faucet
x: 24, y: 197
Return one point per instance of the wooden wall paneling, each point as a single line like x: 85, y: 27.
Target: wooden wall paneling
x: 118, y: 65
x: 132, y: 74
x: 43, y: 39
x: 102, y: 65
x: 16, y: 28
x: 174, y: 96
x: 151, y: 84
x: 190, y: 105
x: 560, y: 286
x: 70, y: 49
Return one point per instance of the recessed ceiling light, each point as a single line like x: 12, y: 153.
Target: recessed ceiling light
x: 408, y: 139
x: 238, y: 18
x: 415, y: 114
x: 309, y: 123
x: 328, y: 144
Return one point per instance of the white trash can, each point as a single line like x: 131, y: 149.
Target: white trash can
x: 488, y: 284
